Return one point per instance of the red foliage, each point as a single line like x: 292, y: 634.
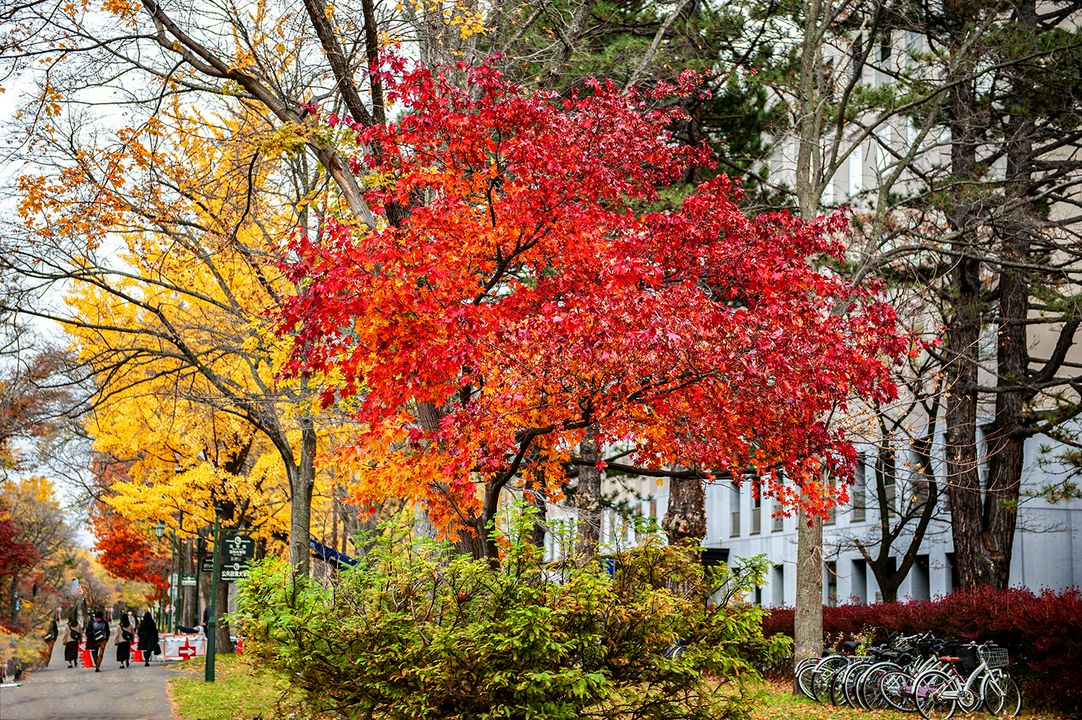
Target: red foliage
x: 1042, y: 631
x: 127, y: 552
x: 15, y: 555
x: 524, y: 286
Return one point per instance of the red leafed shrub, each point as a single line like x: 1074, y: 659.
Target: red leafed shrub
x: 1042, y: 631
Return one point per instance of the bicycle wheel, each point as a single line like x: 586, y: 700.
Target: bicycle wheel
x: 935, y: 695
x: 897, y: 689
x: 1001, y: 694
x: 804, y: 672
x: 851, y: 684
x: 871, y: 697
x: 824, y: 674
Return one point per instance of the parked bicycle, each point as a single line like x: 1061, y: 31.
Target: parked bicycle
x: 915, y: 673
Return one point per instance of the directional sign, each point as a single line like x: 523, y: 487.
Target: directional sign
x: 231, y: 571
x: 238, y: 547
x: 207, y: 564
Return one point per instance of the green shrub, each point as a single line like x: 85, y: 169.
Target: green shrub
x: 418, y: 631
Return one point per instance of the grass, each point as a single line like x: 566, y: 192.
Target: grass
x: 776, y: 702
x: 238, y: 692
x: 242, y: 692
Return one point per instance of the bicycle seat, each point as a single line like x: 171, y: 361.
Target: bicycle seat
x: 949, y: 658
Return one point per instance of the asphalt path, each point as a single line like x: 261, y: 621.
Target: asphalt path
x: 62, y: 693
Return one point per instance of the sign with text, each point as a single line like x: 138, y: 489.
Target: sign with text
x: 206, y: 564
x: 231, y: 571
x: 238, y: 547
x: 188, y: 581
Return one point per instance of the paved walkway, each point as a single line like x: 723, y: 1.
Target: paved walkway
x: 61, y: 693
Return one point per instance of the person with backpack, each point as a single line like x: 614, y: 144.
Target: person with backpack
x: 125, y: 634
x: 97, y: 636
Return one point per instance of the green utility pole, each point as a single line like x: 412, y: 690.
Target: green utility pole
x: 172, y: 619
x: 212, y: 620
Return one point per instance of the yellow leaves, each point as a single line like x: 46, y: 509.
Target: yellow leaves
x: 286, y: 138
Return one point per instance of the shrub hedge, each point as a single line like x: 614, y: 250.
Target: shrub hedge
x: 1042, y: 631
x: 417, y: 631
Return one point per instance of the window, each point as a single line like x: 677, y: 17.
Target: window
x: 918, y: 583
x: 830, y: 583
x: 891, y: 490
x: 756, y: 514
x: 884, y: 47
x: 858, y: 582
x: 860, y: 489
x: 952, y: 573
x: 778, y: 522
x: 777, y: 586
x: 734, y: 527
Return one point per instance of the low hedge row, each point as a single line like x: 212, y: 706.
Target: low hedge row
x: 1042, y: 631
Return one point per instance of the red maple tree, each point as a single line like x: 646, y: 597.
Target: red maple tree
x: 126, y: 551
x: 530, y: 282
x: 16, y: 556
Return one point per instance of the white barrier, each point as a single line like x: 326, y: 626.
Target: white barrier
x: 182, y: 647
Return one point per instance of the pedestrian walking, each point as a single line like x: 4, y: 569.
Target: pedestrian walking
x: 125, y: 634
x: 72, y: 638
x: 50, y: 640
x: 97, y: 637
x: 148, y: 638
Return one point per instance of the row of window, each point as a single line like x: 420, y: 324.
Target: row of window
x: 919, y: 577
x: 857, y: 498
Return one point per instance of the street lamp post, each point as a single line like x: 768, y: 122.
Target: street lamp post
x: 174, y: 591
x: 159, y: 532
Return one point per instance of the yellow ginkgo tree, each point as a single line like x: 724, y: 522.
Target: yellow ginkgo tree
x: 166, y: 243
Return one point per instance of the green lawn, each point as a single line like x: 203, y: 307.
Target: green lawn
x: 239, y: 691
x: 243, y: 693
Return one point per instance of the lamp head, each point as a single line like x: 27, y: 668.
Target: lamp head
x: 159, y: 530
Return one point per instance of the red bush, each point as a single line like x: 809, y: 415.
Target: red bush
x: 1043, y: 632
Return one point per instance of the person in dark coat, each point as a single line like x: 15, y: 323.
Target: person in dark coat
x: 125, y: 633
x: 148, y: 638
x: 74, y: 634
x: 97, y: 637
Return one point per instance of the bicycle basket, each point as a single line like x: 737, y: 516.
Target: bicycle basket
x: 995, y: 657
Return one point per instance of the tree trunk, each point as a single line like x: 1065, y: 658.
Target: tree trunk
x: 302, y: 480
x: 189, y: 606
x: 685, y: 517
x: 1007, y: 435
x: 221, y: 629
x: 808, y: 620
x: 535, y: 494
x: 962, y: 344
x: 813, y: 82
x: 588, y: 498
